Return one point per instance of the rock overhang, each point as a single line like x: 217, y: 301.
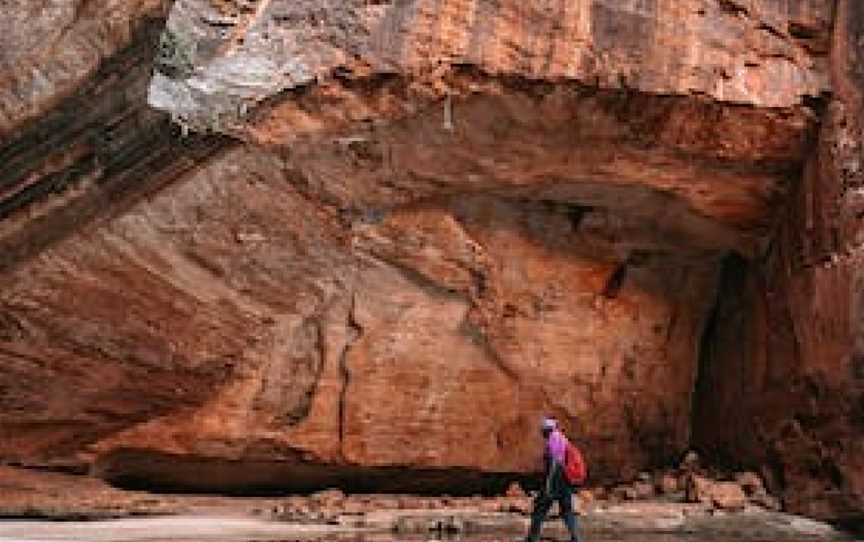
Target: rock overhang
x: 555, y: 100
x: 219, y: 55
x: 476, y: 164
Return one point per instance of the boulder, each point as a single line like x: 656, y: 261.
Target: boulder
x: 698, y: 489
x: 667, y: 484
x: 587, y: 495
x: 353, y: 507
x: 329, y: 498
x: 750, y: 482
x: 515, y: 490
x: 765, y: 500
x: 728, y: 496
x: 625, y: 492
x: 644, y: 490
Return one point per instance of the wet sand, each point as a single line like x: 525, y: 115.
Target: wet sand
x: 612, y: 526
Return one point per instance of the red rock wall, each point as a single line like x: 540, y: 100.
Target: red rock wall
x: 783, y: 378
x: 234, y: 318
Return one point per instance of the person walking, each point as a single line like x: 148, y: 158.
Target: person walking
x: 555, y: 488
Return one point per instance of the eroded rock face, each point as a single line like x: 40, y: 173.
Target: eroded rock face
x: 237, y: 318
x: 224, y: 56
x: 418, y: 227
x: 48, y: 49
x: 784, y: 363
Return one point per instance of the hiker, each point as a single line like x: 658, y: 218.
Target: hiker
x: 556, y: 487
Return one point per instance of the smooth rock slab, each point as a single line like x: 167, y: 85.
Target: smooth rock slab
x: 177, y: 529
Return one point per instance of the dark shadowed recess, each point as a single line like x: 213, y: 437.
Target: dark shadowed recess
x: 754, y: 408
x: 726, y: 329
x: 146, y: 470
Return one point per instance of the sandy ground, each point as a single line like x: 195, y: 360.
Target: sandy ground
x: 43, y: 507
x: 179, y: 528
x: 738, y: 528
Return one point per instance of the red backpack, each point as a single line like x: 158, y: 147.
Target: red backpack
x: 575, y: 470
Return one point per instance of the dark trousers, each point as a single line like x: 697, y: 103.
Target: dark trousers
x: 563, y: 494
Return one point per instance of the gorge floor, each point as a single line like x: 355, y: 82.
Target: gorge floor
x: 45, y: 506
x: 741, y: 527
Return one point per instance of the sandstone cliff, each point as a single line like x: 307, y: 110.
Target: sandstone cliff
x: 783, y: 375
x: 380, y: 239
